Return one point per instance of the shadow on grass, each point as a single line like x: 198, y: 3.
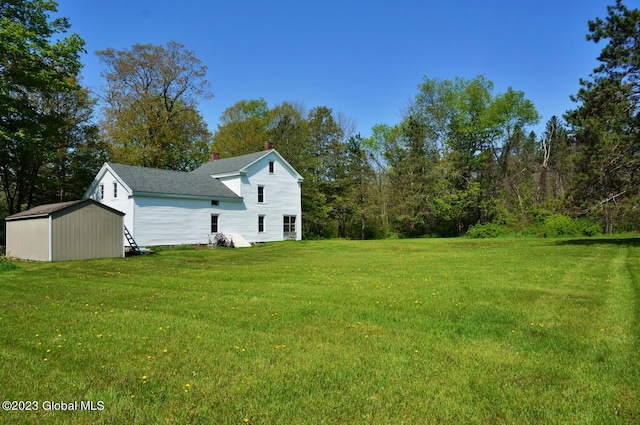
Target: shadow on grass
x: 628, y: 241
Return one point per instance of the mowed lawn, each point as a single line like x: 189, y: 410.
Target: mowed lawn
x: 514, y: 331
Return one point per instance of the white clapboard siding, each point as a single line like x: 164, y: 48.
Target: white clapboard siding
x: 170, y: 219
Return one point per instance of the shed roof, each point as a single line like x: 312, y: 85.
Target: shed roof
x: 153, y: 180
x: 48, y: 209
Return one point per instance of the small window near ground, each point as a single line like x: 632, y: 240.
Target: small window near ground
x: 214, y: 224
x: 260, y: 224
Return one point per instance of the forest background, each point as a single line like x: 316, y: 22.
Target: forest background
x: 462, y: 160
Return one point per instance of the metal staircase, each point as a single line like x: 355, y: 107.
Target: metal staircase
x: 135, y: 249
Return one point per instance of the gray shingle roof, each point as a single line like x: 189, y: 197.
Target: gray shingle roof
x: 229, y: 165
x: 152, y: 180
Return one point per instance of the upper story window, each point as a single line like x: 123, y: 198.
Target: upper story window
x: 115, y: 190
x: 260, y: 194
x: 271, y: 167
x: 101, y: 191
x: 215, y: 203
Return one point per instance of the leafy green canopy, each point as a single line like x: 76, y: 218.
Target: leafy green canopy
x: 36, y: 65
x: 150, y: 113
x: 454, y: 154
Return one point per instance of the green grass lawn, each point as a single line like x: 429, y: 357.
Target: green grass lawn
x: 513, y: 331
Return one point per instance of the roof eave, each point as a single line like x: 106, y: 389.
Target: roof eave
x: 27, y: 217
x: 230, y: 174
x: 186, y: 196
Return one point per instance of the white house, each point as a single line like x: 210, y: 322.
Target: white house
x: 256, y: 196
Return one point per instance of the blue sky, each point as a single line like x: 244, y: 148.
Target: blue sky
x: 363, y: 59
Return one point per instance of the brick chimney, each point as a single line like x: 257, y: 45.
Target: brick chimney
x: 268, y: 145
x: 214, y: 156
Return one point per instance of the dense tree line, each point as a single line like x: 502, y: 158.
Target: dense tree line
x: 463, y: 159
x: 47, y: 140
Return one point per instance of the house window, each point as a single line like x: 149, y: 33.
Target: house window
x: 115, y: 190
x: 270, y: 167
x: 101, y: 191
x: 215, y: 203
x: 260, y: 224
x: 214, y: 223
x: 289, y: 225
x: 260, y: 194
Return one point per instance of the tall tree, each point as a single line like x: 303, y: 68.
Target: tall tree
x: 477, y: 136
x: 151, y: 98
x: 606, y: 121
x: 242, y: 128
x: 360, y: 183
x: 325, y: 174
x: 411, y: 157
x: 77, y: 150
x: 288, y: 129
x: 556, y: 156
x: 37, y: 63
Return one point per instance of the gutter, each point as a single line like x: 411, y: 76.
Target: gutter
x: 181, y: 196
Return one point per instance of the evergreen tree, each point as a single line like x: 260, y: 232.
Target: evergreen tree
x: 606, y: 122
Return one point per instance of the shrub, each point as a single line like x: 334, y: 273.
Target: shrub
x: 588, y: 227
x: 5, y: 264
x: 557, y: 225
x: 488, y: 230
